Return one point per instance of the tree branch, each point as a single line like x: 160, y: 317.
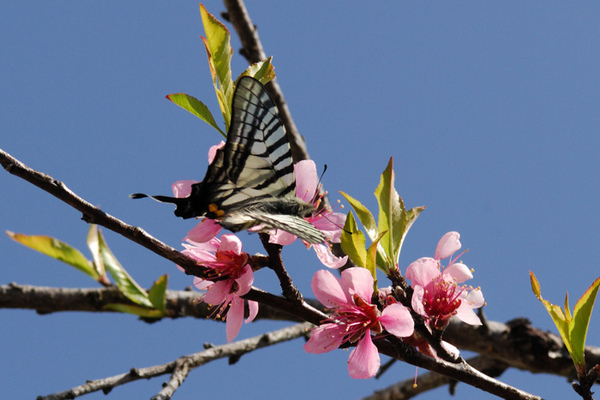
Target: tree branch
x: 180, y: 367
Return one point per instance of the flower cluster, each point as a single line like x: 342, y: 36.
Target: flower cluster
x: 230, y: 278
x: 437, y: 294
x: 354, y: 318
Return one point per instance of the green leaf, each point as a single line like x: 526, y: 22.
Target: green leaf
x: 195, y: 107
x: 582, y: 313
x: 364, y: 215
x: 58, y: 250
x: 135, y: 310
x: 219, y: 52
x: 157, y: 293
x: 353, y: 242
x: 262, y: 70
x: 392, y: 216
x: 372, y: 258
x: 106, y: 258
x: 563, y: 324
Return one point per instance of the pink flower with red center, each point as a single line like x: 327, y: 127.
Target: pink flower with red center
x: 437, y: 293
x: 329, y: 222
x: 230, y: 277
x: 354, y: 318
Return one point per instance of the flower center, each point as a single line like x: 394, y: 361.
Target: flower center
x: 442, y: 298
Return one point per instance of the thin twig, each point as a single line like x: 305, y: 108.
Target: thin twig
x: 183, y: 365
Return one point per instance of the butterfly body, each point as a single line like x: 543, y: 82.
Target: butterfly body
x: 250, y: 182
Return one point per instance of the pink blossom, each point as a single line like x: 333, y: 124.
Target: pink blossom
x: 354, y: 318
x: 230, y: 277
x: 329, y: 222
x: 437, y: 295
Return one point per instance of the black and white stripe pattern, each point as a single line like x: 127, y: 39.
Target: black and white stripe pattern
x: 251, y: 180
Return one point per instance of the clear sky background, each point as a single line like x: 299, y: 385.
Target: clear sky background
x: 491, y: 111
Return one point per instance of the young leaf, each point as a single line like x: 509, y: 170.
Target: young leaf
x: 219, y: 51
x: 124, y: 281
x: 353, y: 242
x: 364, y: 215
x: 262, y: 70
x: 392, y: 216
x: 157, y: 293
x: 372, y: 258
x: 56, y: 249
x: 582, y: 313
x: 195, y: 107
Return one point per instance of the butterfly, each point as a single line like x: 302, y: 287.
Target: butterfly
x: 250, y: 182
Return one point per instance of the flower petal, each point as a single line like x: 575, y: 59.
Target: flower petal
x: 458, y: 272
x: 465, y: 313
x: 230, y: 242
x: 364, y: 360
x: 397, y: 320
x: 325, y: 338
x: 253, y: 311
x: 217, y: 293
x: 417, y: 301
x: 358, y: 281
x: 306, y: 180
x: 235, y: 317
x: 204, y: 231
x: 422, y: 271
x: 327, y: 258
x: 245, y: 281
x: 281, y: 237
x: 212, y: 152
x: 447, y: 245
x: 182, y: 188
x: 328, y: 289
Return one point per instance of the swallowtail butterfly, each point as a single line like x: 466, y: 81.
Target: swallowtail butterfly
x: 250, y: 182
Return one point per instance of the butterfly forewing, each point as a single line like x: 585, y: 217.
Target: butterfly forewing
x: 251, y: 179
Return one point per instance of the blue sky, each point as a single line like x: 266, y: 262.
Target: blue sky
x: 490, y: 110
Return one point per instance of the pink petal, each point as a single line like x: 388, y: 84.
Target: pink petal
x: 364, y: 360
x: 306, y: 180
x: 252, y: 311
x: 397, y: 320
x: 422, y: 271
x: 204, y: 231
x: 282, y: 237
x: 459, y: 272
x: 202, y: 284
x: 358, y: 281
x: 230, y: 242
x: 465, y: 313
x: 212, y: 152
x: 328, y: 289
x: 417, y: 300
x: 331, y: 224
x: 325, y: 338
x: 182, y: 188
x: 217, y: 293
x: 327, y: 258
x: 245, y: 281
x: 235, y: 317
x: 447, y: 245
x: 474, y: 298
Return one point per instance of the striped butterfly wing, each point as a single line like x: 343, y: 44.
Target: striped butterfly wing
x: 251, y: 180
x: 256, y: 162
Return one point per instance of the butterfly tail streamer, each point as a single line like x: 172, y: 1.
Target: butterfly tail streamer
x: 183, y: 210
